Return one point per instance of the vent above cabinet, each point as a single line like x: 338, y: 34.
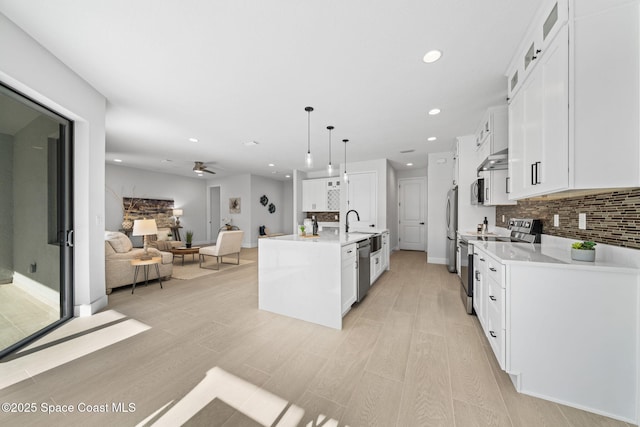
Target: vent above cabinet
x: 497, y: 161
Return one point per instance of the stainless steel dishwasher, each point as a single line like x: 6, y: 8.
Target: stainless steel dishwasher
x: 364, y: 269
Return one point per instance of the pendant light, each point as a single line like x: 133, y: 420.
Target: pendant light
x: 330, y: 166
x: 309, y: 158
x: 346, y: 177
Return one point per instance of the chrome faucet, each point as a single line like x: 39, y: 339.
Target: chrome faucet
x: 346, y: 218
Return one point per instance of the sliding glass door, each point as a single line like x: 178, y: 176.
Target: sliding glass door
x: 35, y: 220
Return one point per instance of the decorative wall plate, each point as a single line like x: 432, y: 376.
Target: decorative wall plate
x: 272, y: 208
x: 264, y: 200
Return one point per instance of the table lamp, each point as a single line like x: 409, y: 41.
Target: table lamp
x: 145, y: 227
x: 177, y: 213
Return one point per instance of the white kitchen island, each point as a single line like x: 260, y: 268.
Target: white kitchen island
x: 303, y: 277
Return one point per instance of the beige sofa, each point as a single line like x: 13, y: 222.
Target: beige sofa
x: 118, y: 255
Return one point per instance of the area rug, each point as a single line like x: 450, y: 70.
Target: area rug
x: 191, y: 269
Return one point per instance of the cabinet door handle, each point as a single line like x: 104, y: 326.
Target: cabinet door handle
x: 493, y: 334
x: 372, y: 225
x: 537, y: 173
x: 482, y: 259
x: 506, y: 183
x: 492, y: 269
x: 349, y: 251
x: 486, y: 194
x: 533, y: 166
x: 422, y: 223
x: 492, y: 298
x: 477, y: 275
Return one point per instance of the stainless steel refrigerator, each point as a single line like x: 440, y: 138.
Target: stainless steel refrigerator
x: 452, y: 227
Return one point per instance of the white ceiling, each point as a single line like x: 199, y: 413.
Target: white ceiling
x: 233, y: 71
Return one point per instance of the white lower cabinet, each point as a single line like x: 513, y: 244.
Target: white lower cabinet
x: 563, y: 332
x: 376, y: 266
x: 385, y: 250
x: 349, y: 277
x: 496, y: 320
x: 479, y: 294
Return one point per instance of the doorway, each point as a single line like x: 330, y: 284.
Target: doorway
x: 36, y: 252
x: 214, y: 213
x: 412, y: 212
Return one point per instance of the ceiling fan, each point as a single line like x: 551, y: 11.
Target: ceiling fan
x: 200, y: 167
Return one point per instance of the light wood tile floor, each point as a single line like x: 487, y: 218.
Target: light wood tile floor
x: 408, y: 356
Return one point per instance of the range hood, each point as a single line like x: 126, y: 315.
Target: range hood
x: 496, y: 161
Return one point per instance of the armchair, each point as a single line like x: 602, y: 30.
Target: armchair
x: 228, y: 243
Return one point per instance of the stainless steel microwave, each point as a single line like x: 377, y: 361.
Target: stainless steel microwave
x: 477, y: 192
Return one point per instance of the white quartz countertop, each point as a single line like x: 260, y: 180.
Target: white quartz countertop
x: 550, y: 255
x: 326, y: 238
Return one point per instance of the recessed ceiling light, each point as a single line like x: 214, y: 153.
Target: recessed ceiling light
x: 193, y: 139
x: 409, y: 164
x: 287, y: 176
x: 271, y: 165
x: 431, y: 138
x: 434, y: 111
x: 117, y: 160
x: 250, y: 143
x: 432, y: 56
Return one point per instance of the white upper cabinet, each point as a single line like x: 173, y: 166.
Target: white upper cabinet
x: 538, y: 126
x: 496, y: 188
x: 574, y: 116
x: 492, y: 130
x: 321, y: 195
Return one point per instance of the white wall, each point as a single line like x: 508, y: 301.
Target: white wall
x: 252, y: 214
x: 274, y: 190
x: 288, y: 208
x: 439, y: 173
x: 235, y: 186
x: 469, y: 216
x: 188, y: 194
x: 29, y: 68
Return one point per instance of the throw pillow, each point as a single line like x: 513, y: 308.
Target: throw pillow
x: 163, y: 233
x: 163, y: 245
x: 121, y: 243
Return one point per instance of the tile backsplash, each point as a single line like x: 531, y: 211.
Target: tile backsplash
x: 612, y: 218
x: 325, y: 216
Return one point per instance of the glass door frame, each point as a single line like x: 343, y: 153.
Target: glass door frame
x: 65, y: 205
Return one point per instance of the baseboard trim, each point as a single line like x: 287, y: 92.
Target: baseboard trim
x: 36, y: 289
x: 434, y: 260
x: 85, y: 310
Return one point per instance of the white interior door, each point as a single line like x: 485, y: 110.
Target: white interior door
x: 412, y: 198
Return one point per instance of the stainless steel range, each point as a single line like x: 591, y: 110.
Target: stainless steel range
x: 522, y: 230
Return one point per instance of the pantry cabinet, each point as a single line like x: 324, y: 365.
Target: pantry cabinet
x: 362, y: 191
x: 574, y: 99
